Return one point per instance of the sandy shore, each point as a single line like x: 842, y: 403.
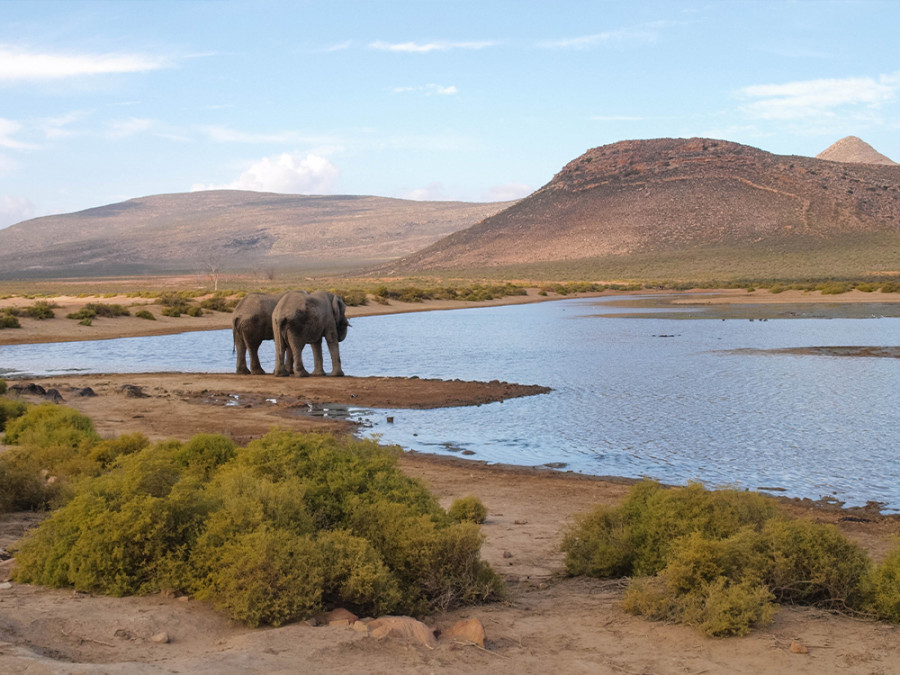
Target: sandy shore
x: 570, y: 625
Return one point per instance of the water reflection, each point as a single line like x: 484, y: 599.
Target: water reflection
x: 670, y: 399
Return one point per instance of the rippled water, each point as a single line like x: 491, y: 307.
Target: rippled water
x: 655, y: 397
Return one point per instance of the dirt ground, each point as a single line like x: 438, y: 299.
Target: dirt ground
x: 549, y: 621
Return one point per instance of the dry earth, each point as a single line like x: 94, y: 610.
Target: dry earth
x: 569, y: 625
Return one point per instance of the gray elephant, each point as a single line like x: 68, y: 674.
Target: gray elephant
x: 251, y: 323
x: 302, y: 318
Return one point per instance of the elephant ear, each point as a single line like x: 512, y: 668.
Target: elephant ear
x: 339, y: 308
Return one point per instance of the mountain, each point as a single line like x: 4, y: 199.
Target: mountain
x: 229, y: 229
x: 855, y: 151
x: 667, y: 200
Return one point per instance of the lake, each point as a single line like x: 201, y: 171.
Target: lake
x: 675, y: 400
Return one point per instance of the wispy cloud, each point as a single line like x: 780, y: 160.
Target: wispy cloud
x: 18, y: 65
x: 621, y: 36
x: 8, y: 129
x: 14, y: 210
x: 426, y: 47
x: 816, y: 98
x: 119, y: 129
x: 428, y: 90
x: 287, y: 173
x: 225, y: 134
x: 54, y: 128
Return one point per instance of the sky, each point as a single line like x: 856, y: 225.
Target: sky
x: 474, y: 100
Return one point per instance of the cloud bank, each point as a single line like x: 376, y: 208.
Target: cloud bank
x: 18, y: 65
x: 285, y: 173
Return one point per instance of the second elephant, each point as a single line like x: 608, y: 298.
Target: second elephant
x: 302, y: 318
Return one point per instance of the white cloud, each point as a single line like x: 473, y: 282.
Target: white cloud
x: 8, y: 128
x: 820, y: 97
x: 509, y: 192
x: 286, y: 173
x: 641, y: 35
x: 19, y: 65
x: 120, y: 129
x: 428, y: 90
x: 433, y: 192
x: 424, y: 48
x: 57, y: 127
x: 14, y: 210
x: 224, y: 134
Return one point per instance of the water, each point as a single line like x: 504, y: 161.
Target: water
x: 651, y: 397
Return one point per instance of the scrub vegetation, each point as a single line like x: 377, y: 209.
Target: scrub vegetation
x: 268, y: 533
x: 724, y: 560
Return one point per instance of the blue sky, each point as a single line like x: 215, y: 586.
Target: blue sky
x: 471, y: 100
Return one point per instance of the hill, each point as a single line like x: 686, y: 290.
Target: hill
x: 854, y: 150
x: 686, y: 208
x: 229, y: 229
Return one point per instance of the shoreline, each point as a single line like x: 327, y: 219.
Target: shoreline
x: 61, y: 329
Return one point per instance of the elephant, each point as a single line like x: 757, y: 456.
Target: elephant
x: 251, y: 324
x: 302, y: 318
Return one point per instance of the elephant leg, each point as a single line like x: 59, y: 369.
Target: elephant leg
x: 255, y: 367
x: 296, y: 346
x: 282, y: 349
x: 335, y: 351
x: 240, y: 347
x: 319, y: 368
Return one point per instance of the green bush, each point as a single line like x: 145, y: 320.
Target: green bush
x: 718, y: 560
x: 9, y: 408
x: 269, y: 533
x: 41, y: 310
x: 145, y: 314
x: 7, y: 320
x: 883, y: 588
x: 47, y: 425
x: 468, y: 509
x: 635, y: 538
x: 2, y: 391
x: 217, y: 303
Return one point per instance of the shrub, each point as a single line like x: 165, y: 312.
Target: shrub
x: 883, y: 588
x: 718, y: 560
x: 145, y: 314
x: 47, y: 425
x: 468, y: 509
x: 268, y: 533
x: 41, y: 310
x: 217, y: 303
x: 7, y: 320
x: 636, y: 538
x: 9, y: 409
x: 2, y: 391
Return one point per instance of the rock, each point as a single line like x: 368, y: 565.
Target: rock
x: 87, y: 391
x: 360, y: 626
x: 30, y: 388
x: 403, y: 627
x: 469, y: 631
x: 160, y: 638
x: 5, y: 586
x: 340, y: 617
x: 797, y: 648
x: 133, y: 391
x: 53, y: 395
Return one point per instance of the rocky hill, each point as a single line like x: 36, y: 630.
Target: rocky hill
x: 856, y: 151
x: 667, y: 196
x: 229, y: 229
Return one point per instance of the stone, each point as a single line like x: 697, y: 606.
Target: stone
x: 5, y: 586
x: 403, y: 627
x: 160, y: 638
x: 133, y: 391
x: 340, y: 617
x: 87, y: 391
x: 469, y: 631
x: 360, y: 626
x: 797, y: 648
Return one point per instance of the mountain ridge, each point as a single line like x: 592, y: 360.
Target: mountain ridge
x: 663, y: 195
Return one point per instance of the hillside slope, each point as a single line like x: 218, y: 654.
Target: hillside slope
x: 230, y: 229
x: 854, y: 150
x: 670, y: 196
